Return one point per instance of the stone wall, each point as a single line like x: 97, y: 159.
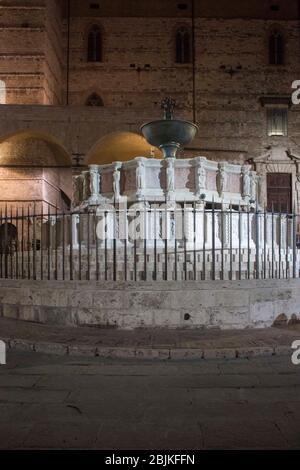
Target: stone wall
x: 207, y: 304
x: 31, y: 51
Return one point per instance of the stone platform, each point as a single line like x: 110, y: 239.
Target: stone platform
x: 160, y: 304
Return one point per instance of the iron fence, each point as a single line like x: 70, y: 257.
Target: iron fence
x: 189, y: 242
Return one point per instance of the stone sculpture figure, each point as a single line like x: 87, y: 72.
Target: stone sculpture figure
x: 86, y: 185
x: 253, y: 187
x: 168, y: 106
x: 77, y: 190
x: 222, y: 179
x: 116, y: 182
x: 140, y: 177
x: 201, y: 177
x: 94, y: 182
x: 246, y: 181
x: 170, y: 176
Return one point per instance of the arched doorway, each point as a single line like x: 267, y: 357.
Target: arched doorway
x: 8, y: 238
x: 34, y: 168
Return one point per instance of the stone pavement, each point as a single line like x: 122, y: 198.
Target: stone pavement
x: 148, y: 343
x: 64, y: 402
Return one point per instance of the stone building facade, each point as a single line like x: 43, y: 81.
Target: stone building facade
x: 74, y: 72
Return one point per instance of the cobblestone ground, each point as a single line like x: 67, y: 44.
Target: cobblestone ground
x: 63, y: 402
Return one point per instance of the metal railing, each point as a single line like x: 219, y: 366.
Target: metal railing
x: 192, y: 242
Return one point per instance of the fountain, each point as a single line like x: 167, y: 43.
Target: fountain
x: 169, y: 134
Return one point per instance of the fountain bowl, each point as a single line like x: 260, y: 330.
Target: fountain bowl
x: 169, y: 134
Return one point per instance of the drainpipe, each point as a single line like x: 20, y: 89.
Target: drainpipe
x: 194, y: 61
x: 68, y: 50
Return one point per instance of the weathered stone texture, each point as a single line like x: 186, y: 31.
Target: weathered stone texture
x: 210, y: 304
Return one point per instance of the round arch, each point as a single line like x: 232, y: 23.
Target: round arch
x: 120, y: 146
x: 25, y: 143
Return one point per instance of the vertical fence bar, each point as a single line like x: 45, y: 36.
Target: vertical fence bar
x: 166, y: 242
x: 248, y: 243
x: 71, y: 245
x: 105, y: 246
x: 175, y: 243
x: 134, y: 259
x: 257, y: 253
x: 42, y: 243
x: 240, y: 242
x: 1, y: 245
x: 96, y: 246
x: 203, y: 248
x: 28, y: 245
x: 125, y: 222
x: 294, y: 221
x: 125, y: 252
x: 222, y: 215
x: 213, y: 242
x: 265, y: 243
x: 287, y: 245
x: 17, y: 243
x: 114, y: 246
x: 88, y: 245
x: 230, y: 243
x: 11, y: 248
x: 49, y: 244
x: 63, y: 244
x: 34, y: 243
x: 6, y: 244
x: 279, y: 243
x: 273, y: 251
x: 195, y: 254
x: 56, y: 246
x: 155, y: 244
x: 184, y: 242
x: 79, y: 247
x: 22, y: 242
x: 145, y: 242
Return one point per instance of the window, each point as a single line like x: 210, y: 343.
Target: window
x: 276, y: 49
x: 94, y: 100
x: 277, y: 121
x: 94, y: 44
x: 183, y: 47
x: 2, y: 92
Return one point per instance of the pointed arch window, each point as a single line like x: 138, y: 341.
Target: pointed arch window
x: 94, y: 53
x: 276, y: 49
x: 183, y: 45
x: 94, y: 100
